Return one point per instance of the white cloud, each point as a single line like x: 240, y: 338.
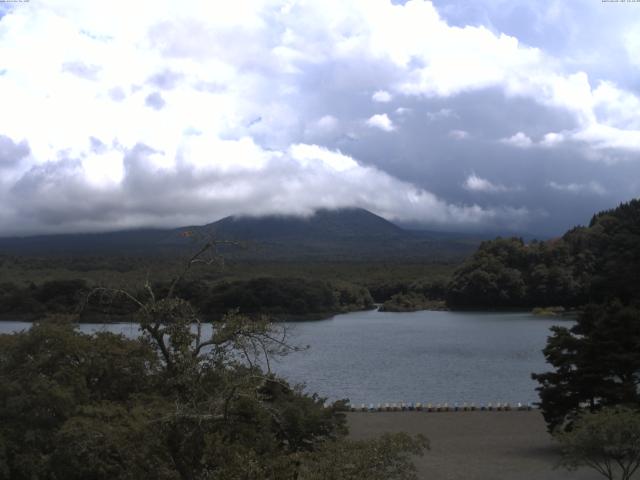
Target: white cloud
x: 309, y: 154
x: 248, y: 43
x: 402, y: 111
x: 61, y: 197
x: 552, y: 139
x: 604, y: 137
x: 617, y: 142
x: 322, y: 127
x: 592, y: 187
x: 615, y: 107
x: 519, y: 140
x: 381, y: 96
x: 632, y: 44
x: 459, y: 134
x: 381, y: 121
x: 435, y: 59
x: 474, y: 183
x: 232, y: 93
x: 328, y: 122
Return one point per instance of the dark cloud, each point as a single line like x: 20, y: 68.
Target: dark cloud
x: 421, y: 149
x: 57, y: 197
x: 11, y: 152
x: 155, y: 101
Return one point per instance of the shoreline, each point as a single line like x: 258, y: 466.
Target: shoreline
x: 474, y: 445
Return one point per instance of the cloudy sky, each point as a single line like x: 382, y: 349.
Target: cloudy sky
x: 467, y: 115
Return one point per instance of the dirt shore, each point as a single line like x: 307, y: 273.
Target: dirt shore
x: 475, y: 445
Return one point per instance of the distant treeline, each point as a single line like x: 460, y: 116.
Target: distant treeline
x: 279, y: 297
x: 591, y: 264
x: 408, y: 296
x: 57, y: 296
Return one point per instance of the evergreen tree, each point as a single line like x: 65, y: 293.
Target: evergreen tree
x: 596, y: 363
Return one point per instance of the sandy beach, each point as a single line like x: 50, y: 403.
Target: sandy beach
x: 475, y: 445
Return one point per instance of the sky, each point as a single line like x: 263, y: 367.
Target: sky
x: 466, y: 115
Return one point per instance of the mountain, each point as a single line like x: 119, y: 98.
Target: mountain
x: 345, y: 234
x: 337, y: 234
x: 341, y: 224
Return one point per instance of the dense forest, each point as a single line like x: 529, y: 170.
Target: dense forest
x: 277, y: 297
x: 31, y: 285
x: 587, y: 264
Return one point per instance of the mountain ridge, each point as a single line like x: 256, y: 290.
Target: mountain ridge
x: 348, y: 233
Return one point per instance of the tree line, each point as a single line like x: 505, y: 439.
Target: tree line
x: 279, y: 297
x: 592, y: 264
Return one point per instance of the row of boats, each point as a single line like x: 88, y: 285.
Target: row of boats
x: 444, y: 407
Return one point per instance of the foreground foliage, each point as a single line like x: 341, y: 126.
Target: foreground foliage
x: 607, y: 441
x: 184, y: 401
x: 381, y: 459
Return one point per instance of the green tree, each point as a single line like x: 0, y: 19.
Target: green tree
x: 386, y: 457
x: 598, y: 263
x: 596, y: 363
x: 607, y: 441
x: 47, y: 375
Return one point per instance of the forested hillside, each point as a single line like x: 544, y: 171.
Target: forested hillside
x: 346, y: 234
x: 587, y: 264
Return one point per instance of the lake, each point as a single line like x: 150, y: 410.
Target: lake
x: 436, y: 357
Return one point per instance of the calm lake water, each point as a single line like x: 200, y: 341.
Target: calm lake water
x: 437, y: 357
